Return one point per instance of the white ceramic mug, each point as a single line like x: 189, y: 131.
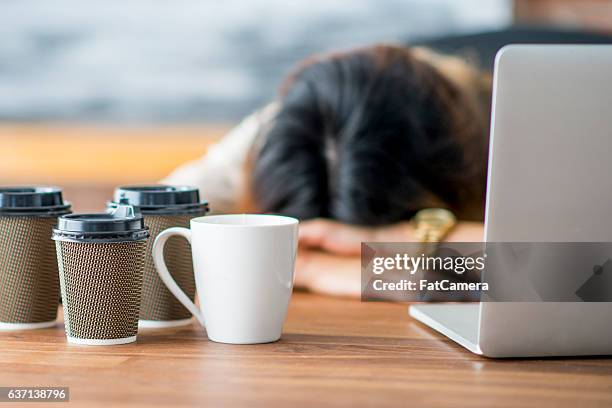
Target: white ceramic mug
x: 243, y: 265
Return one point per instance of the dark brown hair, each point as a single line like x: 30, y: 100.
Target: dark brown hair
x: 370, y: 137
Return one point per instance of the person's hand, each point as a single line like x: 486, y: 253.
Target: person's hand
x: 329, y: 259
x: 328, y: 274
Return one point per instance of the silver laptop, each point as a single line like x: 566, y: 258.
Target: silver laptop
x: 550, y: 180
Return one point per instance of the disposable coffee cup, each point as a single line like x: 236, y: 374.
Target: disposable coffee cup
x: 101, y: 262
x: 165, y: 207
x: 29, y: 282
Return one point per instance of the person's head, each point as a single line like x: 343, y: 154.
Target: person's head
x: 370, y: 137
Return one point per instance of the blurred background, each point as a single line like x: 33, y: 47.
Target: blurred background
x: 96, y: 94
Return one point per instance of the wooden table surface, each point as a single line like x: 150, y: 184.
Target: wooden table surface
x: 333, y: 352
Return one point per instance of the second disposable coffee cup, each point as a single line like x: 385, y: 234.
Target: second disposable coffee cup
x: 165, y: 207
x: 29, y: 283
x: 101, y: 262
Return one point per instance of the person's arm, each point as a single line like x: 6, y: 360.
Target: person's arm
x: 219, y: 173
x: 344, y: 239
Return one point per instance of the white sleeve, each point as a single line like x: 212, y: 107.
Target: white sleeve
x: 219, y: 174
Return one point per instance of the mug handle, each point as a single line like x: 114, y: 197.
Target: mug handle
x: 164, y: 274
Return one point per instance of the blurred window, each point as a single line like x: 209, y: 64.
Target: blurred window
x: 155, y: 61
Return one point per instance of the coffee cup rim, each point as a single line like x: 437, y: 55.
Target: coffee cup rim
x: 217, y: 220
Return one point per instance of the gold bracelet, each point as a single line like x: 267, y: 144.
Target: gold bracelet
x: 433, y: 224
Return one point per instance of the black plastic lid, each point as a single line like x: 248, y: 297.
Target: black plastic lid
x: 32, y: 201
x: 161, y: 199
x: 121, y: 224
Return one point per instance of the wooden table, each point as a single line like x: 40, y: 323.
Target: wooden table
x: 333, y: 352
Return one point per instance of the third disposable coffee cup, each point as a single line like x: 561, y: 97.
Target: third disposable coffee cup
x: 101, y: 261
x: 165, y: 207
x: 29, y: 283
